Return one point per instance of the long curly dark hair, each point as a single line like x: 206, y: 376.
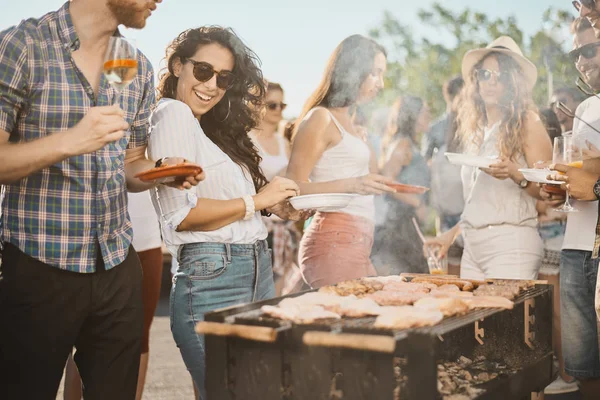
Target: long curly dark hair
x: 238, y: 112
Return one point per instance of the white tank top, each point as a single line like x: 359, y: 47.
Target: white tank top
x: 349, y: 158
x: 271, y: 165
x: 490, y: 201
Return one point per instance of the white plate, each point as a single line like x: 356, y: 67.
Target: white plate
x: 470, y: 160
x: 322, y: 202
x: 538, y: 175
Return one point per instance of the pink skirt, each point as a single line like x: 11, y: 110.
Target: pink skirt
x: 336, y: 247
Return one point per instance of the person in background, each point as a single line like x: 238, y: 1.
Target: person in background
x: 396, y: 248
x: 437, y: 134
x: 330, y: 156
x: 211, y: 95
x: 552, y: 231
x: 446, y: 195
x: 497, y: 118
x: 589, y: 9
x: 571, y: 97
x: 147, y: 243
x: 274, y: 151
x: 578, y: 263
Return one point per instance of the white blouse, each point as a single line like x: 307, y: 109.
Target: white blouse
x: 175, y: 132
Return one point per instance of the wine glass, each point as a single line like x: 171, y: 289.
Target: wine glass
x: 566, y: 152
x: 120, y: 64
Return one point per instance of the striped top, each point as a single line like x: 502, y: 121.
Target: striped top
x: 174, y: 131
x: 59, y: 214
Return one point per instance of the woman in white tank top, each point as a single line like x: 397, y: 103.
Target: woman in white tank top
x: 330, y: 156
x: 497, y: 119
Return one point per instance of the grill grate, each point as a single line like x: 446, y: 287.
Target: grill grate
x: 256, y: 317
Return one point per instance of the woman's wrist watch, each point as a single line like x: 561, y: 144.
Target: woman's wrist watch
x: 597, y: 189
x: 523, y: 183
x: 159, y: 162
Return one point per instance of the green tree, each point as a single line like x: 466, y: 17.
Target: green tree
x: 420, y: 65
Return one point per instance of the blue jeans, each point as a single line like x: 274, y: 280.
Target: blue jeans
x: 211, y: 276
x: 578, y: 272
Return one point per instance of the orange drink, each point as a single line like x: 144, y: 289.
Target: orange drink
x: 576, y: 164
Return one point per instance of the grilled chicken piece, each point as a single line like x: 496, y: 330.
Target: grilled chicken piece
x: 447, y: 293
x: 355, y: 308
x: 507, y: 291
x: 448, y: 306
x: 300, y: 314
x: 314, y: 298
x: 385, y: 279
x: 489, y: 302
x: 448, y: 288
x: 463, y: 284
x: 407, y: 317
x: 393, y: 298
x: 409, y: 287
x: 521, y: 284
x: 357, y: 287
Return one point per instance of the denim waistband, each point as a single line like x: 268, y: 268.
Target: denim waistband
x: 227, y: 249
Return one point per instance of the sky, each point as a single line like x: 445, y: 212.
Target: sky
x: 292, y: 38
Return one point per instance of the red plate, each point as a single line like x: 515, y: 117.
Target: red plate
x: 410, y: 189
x: 170, y: 171
x: 553, y: 189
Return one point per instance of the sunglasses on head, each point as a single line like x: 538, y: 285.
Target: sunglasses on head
x: 274, y: 106
x: 591, y: 4
x: 484, y: 75
x: 586, y: 51
x: 204, y: 72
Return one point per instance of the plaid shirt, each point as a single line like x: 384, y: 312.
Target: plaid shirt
x: 58, y: 215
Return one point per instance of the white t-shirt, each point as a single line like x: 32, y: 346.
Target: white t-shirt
x: 146, y: 230
x: 175, y: 132
x: 581, y: 226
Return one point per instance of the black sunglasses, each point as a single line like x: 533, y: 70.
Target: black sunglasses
x: 274, y: 106
x: 586, y: 51
x: 591, y: 4
x: 483, y: 75
x: 204, y: 72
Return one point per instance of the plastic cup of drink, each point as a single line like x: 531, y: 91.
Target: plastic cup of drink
x: 438, y: 268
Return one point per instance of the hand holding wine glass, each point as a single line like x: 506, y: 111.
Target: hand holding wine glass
x: 567, y: 153
x: 120, y: 64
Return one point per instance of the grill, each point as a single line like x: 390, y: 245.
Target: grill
x: 250, y: 356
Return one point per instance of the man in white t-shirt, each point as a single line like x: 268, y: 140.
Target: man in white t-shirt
x: 578, y: 269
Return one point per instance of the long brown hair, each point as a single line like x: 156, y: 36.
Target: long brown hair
x: 228, y: 123
x: 514, y: 104
x: 347, y: 68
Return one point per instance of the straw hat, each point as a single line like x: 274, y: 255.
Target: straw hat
x: 504, y: 45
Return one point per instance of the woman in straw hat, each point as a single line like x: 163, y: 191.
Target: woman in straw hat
x: 497, y: 118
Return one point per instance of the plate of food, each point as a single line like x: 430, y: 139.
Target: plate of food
x: 166, y: 171
x: 322, y: 202
x: 409, y: 189
x: 470, y: 160
x: 538, y: 175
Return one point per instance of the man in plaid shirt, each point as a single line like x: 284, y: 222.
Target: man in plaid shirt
x: 70, y: 277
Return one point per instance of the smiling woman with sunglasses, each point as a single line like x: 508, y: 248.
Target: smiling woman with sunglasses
x: 210, y: 97
x: 497, y: 119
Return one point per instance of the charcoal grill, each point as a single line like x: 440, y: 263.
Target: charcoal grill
x: 250, y: 356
